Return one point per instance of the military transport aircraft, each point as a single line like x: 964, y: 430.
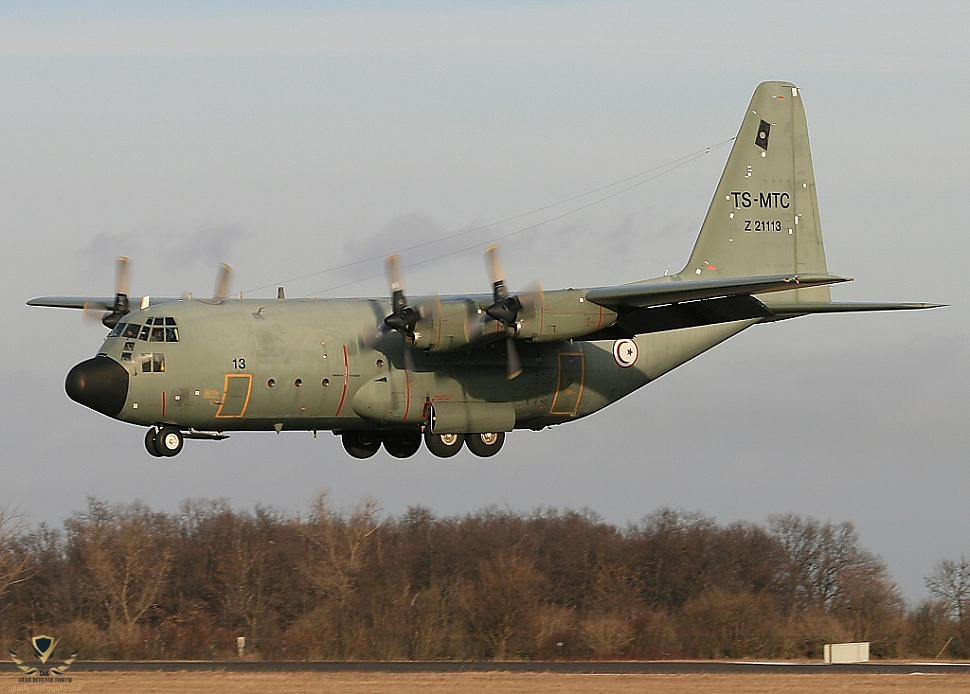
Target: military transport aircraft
x: 465, y: 370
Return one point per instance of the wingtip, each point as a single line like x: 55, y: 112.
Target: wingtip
x: 918, y: 306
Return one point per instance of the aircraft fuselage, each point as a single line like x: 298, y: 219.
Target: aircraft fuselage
x: 306, y: 364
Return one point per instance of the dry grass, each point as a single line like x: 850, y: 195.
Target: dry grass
x: 510, y: 683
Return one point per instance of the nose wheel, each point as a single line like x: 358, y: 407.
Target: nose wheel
x: 164, y: 442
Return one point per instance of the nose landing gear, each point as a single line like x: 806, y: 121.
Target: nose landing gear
x: 164, y: 442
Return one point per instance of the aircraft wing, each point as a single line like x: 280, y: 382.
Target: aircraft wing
x: 645, y: 295
x: 658, y: 306
x: 95, y: 302
x: 91, y: 302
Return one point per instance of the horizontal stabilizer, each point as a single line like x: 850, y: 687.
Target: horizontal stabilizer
x: 802, y: 308
x: 643, y: 295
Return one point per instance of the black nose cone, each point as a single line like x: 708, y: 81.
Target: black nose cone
x: 100, y: 383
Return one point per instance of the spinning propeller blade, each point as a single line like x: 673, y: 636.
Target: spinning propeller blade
x: 504, y: 309
x: 120, y: 307
x: 403, y: 316
x: 223, y: 283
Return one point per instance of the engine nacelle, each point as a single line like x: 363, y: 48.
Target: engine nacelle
x: 455, y: 325
x: 562, y: 315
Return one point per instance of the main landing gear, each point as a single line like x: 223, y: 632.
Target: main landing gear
x: 485, y: 445
x: 443, y: 445
x: 405, y: 443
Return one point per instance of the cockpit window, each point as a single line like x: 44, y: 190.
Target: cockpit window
x: 156, y: 329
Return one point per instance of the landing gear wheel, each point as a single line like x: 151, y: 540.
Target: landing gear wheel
x: 402, y: 444
x: 361, y: 444
x: 485, y: 445
x: 443, y: 445
x: 168, y: 441
x: 151, y: 443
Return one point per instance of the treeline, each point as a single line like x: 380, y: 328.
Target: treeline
x: 124, y: 581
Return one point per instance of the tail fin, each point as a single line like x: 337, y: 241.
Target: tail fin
x: 764, y: 216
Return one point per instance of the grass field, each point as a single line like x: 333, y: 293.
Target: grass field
x: 512, y: 683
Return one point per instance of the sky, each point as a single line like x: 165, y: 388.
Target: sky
x: 293, y: 137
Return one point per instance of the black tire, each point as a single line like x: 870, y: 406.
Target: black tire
x: 486, y: 444
x: 150, y: 443
x: 402, y: 444
x: 168, y: 441
x: 361, y: 444
x: 443, y: 445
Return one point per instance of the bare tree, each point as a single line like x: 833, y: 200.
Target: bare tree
x: 336, y: 555
x: 607, y: 635
x: 16, y: 565
x: 718, y: 623
x: 929, y: 630
x: 243, y: 575
x: 672, y: 554
x: 126, y: 553
x: 950, y: 584
x: 869, y: 604
x: 502, y: 603
x: 816, y: 559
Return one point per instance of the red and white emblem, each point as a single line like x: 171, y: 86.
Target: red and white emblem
x: 625, y: 352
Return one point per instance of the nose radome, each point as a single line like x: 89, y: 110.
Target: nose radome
x: 100, y: 383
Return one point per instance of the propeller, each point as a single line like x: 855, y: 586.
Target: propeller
x: 504, y: 309
x: 120, y: 307
x: 223, y: 283
x: 403, y: 316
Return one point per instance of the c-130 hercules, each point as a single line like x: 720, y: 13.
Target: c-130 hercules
x: 465, y: 370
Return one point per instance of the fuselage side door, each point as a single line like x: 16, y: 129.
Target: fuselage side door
x: 569, y: 392
x: 235, y: 396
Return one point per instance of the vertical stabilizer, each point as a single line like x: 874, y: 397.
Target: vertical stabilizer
x: 764, y: 217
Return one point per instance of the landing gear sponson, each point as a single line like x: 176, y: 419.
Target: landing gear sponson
x: 164, y: 441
